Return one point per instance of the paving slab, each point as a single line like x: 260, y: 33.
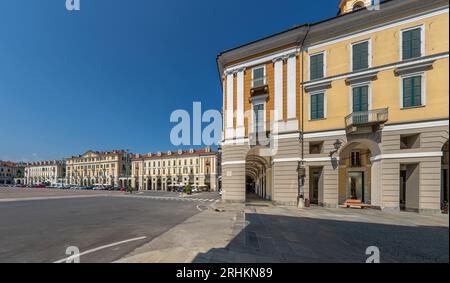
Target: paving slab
x: 268, y: 233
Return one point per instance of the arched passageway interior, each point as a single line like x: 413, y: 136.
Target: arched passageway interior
x: 158, y: 185
x: 258, y: 176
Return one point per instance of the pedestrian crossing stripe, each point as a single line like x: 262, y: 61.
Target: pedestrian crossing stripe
x: 171, y: 198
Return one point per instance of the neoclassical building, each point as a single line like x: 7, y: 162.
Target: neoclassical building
x: 45, y: 172
x: 98, y: 168
x: 352, y: 107
x: 9, y: 171
x: 164, y: 171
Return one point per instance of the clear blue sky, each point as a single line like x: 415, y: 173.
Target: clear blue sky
x: 109, y: 76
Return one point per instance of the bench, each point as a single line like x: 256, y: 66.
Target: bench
x: 354, y: 203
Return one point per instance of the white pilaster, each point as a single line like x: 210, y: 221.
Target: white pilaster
x: 230, y: 107
x: 223, y: 109
x: 240, y: 128
x: 278, y: 77
x: 292, y: 123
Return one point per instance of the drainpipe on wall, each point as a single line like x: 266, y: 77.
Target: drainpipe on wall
x: 301, y: 169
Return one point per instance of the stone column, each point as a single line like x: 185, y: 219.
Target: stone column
x: 375, y: 186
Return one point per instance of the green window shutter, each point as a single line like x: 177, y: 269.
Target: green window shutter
x: 313, y: 107
x: 364, y: 98
x: 407, y: 102
x: 412, y: 91
x: 320, y: 106
x: 317, y: 106
x: 412, y: 44
x: 360, y: 56
x: 316, y: 67
x: 361, y: 99
x: 417, y: 91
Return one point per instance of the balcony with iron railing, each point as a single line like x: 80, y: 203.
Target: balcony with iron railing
x: 366, y: 121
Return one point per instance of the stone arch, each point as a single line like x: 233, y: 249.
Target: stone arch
x: 358, y: 172
x: 358, y: 5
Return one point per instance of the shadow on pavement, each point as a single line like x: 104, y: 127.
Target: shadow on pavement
x: 269, y: 238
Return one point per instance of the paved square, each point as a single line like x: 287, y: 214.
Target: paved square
x: 316, y: 235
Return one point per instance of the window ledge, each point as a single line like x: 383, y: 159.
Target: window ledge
x: 317, y: 120
x: 412, y: 107
x: 318, y: 87
x: 415, y: 68
x: 365, y: 78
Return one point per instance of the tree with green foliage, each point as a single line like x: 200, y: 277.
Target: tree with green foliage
x: 188, y: 189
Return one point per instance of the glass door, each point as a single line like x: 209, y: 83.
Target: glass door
x: 355, y: 186
x: 314, y: 188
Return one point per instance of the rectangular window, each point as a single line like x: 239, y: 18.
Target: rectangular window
x: 259, y: 78
x: 412, y: 91
x: 317, y: 106
x: 316, y: 147
x: 316, y: 66
x: 360, y: 58
x: 356, y: 159
x: 412, y: 43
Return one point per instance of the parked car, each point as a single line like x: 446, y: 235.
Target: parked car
x: 39, y: 186
x: 195, y: 190
x: 123, y: 189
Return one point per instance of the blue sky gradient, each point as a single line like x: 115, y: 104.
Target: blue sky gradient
x: 109, y: 76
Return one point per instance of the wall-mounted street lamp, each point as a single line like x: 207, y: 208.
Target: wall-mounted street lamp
x: 337, y: 145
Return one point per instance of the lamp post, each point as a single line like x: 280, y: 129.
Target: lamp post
x: 337, y: 145
x: 301, y: 180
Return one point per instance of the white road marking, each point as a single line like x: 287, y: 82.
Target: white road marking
x: 170, y: 198
x: 100, y: 248
x: 51, y: 198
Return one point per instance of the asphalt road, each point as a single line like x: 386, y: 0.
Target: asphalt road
x: 41, y: 230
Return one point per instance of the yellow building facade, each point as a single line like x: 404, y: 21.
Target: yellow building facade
x: 351, y: 108
x: 98, y: 168
x: 166, y: 171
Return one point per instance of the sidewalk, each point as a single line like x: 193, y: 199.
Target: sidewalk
x: 261, y: 232
x: 199, y: 234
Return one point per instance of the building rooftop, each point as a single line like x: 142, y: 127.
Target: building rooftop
x: 178, y: 153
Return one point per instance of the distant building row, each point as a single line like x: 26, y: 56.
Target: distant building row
x: 158, y: 171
